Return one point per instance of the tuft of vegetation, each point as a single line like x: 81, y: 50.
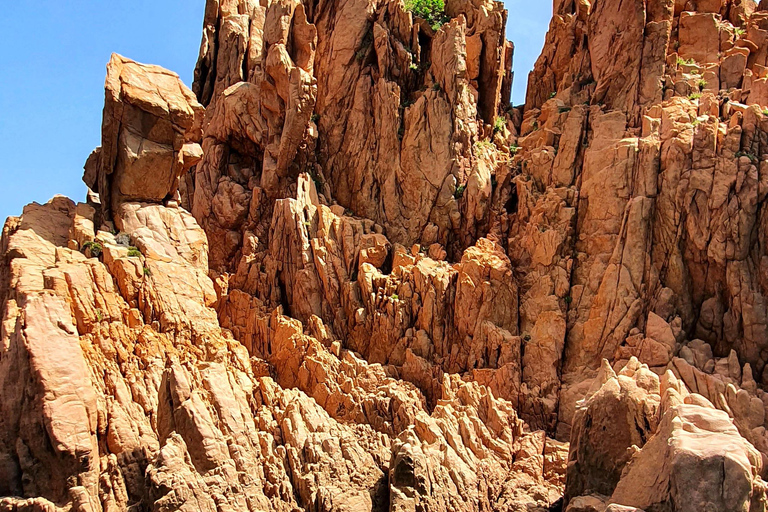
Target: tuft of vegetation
x: 431, y: 11
x: 99, y: 315
x: 694, y: 96
x: 413, y: 67
x: 94, y: 247
x: 765, y: 112
x: 459, y: 191
x: 147, y: 272
x: 689, y: 62
x: 527, y: 337
x: 394, y: 296
x: 499, y: 124
x: 319, y: 183
x: 552, y: 94
x: 483, y: 144
x: 739, y: 31
x: 315, y: 118
x: 701, y: 84
x: 134, y: 252
x: 514, y: 148
x: 752, y: 157
x: 568, y: 299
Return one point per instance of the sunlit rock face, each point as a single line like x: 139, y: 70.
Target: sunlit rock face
x: 342, y: 273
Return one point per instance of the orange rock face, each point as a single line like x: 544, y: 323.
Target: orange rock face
x: 344, y: 274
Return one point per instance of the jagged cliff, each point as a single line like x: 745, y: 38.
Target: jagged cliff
x: 343, y: 274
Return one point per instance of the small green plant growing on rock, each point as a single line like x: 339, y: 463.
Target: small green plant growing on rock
x: 739, y: 31
x: 147, y: 272
x: 752, y: 157
x: 568, y: 299
x: 431, y: 11
x: 134, y: 252
x: 99, y: 315
x: 694, y: 96
x: 552, y: 94
x: 514, y: 148
x: 689, y: 62
x: 702, y: 84
x: 315, y: 118
x: 394, y: 296
x: 483, y: 144
x: 94, y: 247
x: 499, y: 124
x: 459, y: 191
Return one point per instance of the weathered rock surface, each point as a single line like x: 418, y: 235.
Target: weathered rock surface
x: 149, y: 135
x: 344, y: 274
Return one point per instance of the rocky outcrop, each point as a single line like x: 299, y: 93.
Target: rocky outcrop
x: 673, y: 442
x: 344, y: 274
x: 149, y: 136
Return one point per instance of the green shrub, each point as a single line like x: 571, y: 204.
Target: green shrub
x: 459, y: 191
x: 740, y: 31
x: 752, y: 157
x: 514, y: 148
x: 395, y: 296
x: 499, y: 124
x: 432, y: 11
x: 552, y: 94
x: 147, y: 271
x: 413, y: 67
x: 95, y: 248
x: 99, y: 315
x: 702, y: 84
x: 689, y: 62
x: 694, y: 96
x: 315, y: 118
x: 133, y: 252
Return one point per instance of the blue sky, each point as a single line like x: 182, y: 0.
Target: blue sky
x: 53, y: 63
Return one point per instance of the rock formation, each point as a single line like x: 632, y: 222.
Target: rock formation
x: 344, y: 274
